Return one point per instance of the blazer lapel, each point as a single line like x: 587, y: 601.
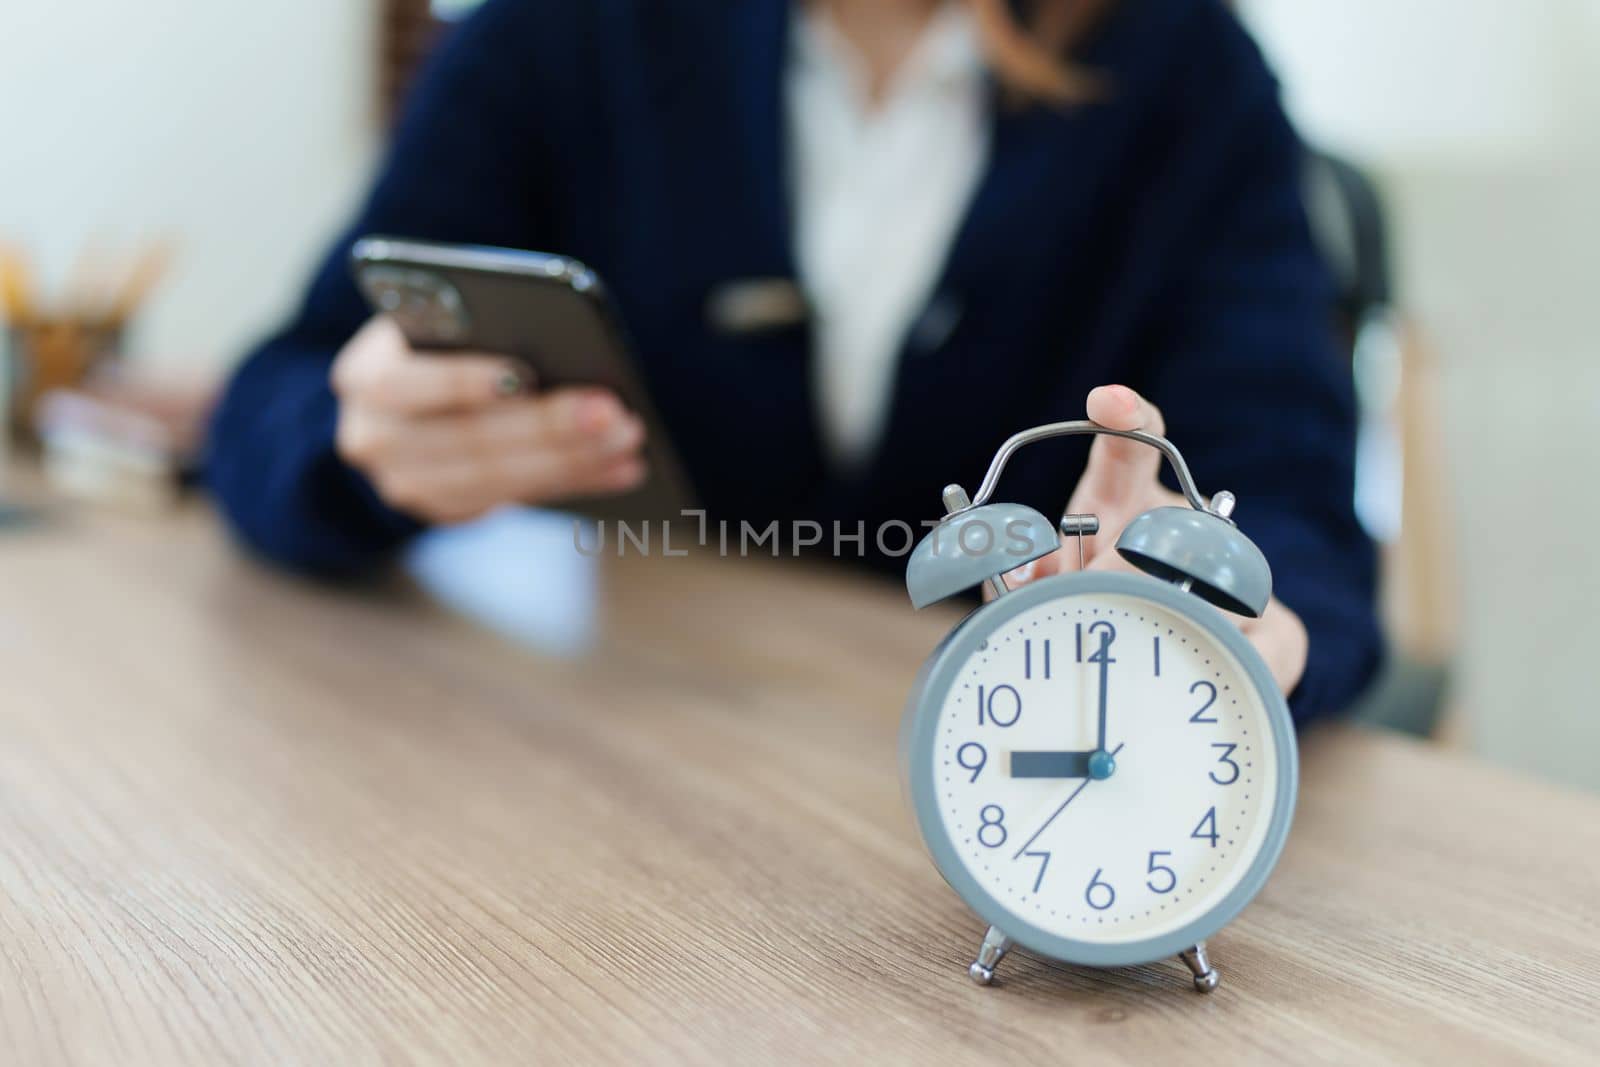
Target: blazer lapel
x: 1019, y: 247
x: 1035, y: 195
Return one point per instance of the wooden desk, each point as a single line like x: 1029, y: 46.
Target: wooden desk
x: 243, y: 819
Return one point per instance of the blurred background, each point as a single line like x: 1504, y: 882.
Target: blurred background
x: 167, y: 180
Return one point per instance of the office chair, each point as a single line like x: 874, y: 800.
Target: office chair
x: 1349, y: 227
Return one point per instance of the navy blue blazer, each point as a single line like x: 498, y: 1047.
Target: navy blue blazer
x: 1155, y: 239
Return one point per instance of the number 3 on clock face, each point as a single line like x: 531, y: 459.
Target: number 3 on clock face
x: 1101, y: 767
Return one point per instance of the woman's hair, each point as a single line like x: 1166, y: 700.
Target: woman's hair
x: 1030, y: 44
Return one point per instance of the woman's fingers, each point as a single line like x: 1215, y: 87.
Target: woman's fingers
x: 1119, y: 468
x: 1063, y: 560
x: 421, y: 384
x: 1118, y: 484
x: 1018, y: 577
x: 448, y: 437
x: 452, y: 467
x: 458, y: 490
x: 379, y: 370
x: 569, y: 420
x: 1281, y: 638
x: 1099, y: 551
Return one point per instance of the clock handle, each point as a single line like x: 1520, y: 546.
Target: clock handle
x: 1080, y: 427
x: 1198, y: 547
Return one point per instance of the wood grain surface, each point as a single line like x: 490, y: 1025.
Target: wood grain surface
x: 246, y: 819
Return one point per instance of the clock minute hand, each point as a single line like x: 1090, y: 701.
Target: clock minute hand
x: 1105, y: 678
x: 1070, y: 798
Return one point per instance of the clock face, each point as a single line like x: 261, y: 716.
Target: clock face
x: 1104, y: 767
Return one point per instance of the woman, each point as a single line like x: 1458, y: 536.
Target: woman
x: 991, y: 207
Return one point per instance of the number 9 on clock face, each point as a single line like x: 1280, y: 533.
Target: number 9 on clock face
x: 1101, y: 767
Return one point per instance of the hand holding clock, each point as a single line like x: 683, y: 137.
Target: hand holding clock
x: 1119, y: 484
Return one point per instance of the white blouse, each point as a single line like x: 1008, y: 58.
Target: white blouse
x: 879, y: 195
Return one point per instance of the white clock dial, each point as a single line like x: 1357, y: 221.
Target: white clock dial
x: 1188, y: 800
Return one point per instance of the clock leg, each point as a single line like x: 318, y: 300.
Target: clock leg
x: 1205, y: 976
x: 995, y: 945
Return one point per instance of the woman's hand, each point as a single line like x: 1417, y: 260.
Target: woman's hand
x: 449, y: 437
x: 1119, y: 484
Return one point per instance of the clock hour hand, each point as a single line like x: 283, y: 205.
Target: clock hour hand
x: 1097, y: 764
x: 1052, y: 764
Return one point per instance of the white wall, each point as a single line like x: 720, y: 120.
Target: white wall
x: 1445, y: 82
x: 243, y: 130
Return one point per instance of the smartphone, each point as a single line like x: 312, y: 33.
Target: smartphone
x: 550, y: 312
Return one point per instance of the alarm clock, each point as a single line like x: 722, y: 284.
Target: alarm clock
x: 1100, y: 764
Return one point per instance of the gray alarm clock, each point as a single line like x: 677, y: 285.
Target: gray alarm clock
x: 1100, y: 764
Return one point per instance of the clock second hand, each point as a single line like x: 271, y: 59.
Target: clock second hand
x: 1070, y: 798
